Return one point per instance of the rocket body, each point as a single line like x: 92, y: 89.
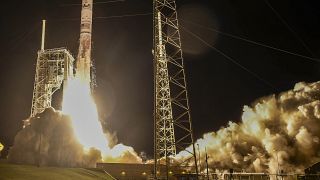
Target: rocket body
x: 84, y: 55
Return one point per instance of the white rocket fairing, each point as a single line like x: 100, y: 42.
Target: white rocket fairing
x: 84, y: 55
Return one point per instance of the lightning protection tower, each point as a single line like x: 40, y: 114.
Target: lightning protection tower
x: 172, y: 121
x: 54, y: 67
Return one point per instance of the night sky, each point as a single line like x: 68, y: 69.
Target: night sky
x: 122, y: 51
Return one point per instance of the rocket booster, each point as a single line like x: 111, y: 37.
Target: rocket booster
x: 84, y: 55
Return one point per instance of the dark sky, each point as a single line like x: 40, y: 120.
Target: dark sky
x: 122, y: 47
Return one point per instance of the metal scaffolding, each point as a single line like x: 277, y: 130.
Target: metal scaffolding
x: 173, y: 127
x: 54, y: 66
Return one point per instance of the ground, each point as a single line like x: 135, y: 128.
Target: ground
x: 27, y: 172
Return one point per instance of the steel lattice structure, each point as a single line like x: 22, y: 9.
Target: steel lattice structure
x: 54, y: 66
x: 173, y: 126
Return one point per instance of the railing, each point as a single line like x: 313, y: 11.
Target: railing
x: 261, y: 176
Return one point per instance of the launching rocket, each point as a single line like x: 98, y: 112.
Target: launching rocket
x: 84, y: 63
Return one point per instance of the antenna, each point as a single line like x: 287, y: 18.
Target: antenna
x: 43, y: 34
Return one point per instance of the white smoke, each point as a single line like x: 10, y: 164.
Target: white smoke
x: 50, y: 140
x: 279, y: 132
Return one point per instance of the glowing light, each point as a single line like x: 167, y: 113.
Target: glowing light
x: 1, y: 147
x: 123, y: 173
x: 79, y: 104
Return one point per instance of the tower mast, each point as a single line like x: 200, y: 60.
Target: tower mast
x: 173, y: 130
x: 43, y: 35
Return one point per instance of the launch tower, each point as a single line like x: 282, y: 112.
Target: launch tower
x: 54, y: 66
x: 173, y: 127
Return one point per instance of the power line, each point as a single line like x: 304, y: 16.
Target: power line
x: 67, y: 5
x: 289, y: 27
x: 108, y: 17
x: 122, y: 16
x: 18, y: 41
x: 229, y: 58
x: 253, y: 42
x: 107, y: 2
x: 102, y: 2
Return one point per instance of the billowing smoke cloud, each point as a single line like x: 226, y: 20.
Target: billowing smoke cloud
x: 276, y: 133
x: 50, y: 140
x: 122, y: 154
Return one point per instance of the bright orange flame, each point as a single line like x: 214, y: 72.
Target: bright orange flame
x: 79, y: 104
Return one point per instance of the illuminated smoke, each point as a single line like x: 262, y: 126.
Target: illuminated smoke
x: 72, y: 138
x: 58, y: 145
x: 122, y: 154
x: 49, y: 141
x: 279, y: 132
x: 79, y: 105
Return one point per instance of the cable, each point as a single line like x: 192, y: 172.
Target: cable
x: 106, y: 2
x: 122, y: 16
x: 107, y: 17
x: 67, y: 5
x: 229, y: 58
x: 20, y: 40
x: 17, y: 42
x: 109, y: 2
x: 289, y: 28
x: 253, y: 42
x: 67, y: 19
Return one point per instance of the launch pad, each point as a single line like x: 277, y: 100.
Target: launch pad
x: 173, y: 131
x: 144, y: 171
x: 172, y: 110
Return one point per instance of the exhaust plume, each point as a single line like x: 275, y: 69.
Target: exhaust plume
x: 80, y: 106
x: 49, y: 140
x: 277, y: 133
